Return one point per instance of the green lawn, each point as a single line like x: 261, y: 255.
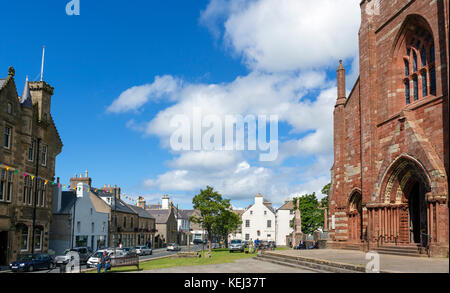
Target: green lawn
x: 218, y: 256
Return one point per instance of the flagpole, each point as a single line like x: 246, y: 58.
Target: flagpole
x: 42, y: 65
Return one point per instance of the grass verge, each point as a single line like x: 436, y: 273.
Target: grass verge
x: 218, y: 256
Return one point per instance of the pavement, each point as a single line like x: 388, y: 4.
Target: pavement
x: 388, y: 263
x: 241, y: 266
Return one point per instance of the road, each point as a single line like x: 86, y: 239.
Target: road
x: 160, y: 252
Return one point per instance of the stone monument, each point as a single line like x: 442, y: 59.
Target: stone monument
x: 297, y: 233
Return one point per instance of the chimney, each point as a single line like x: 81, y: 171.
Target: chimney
x: 82, y: 190
x: 165, y: 202
x: 141, y: 202
x: 341, y: 98
x: 259, y: 199
x: 75, y: 180
x: 57, y: 197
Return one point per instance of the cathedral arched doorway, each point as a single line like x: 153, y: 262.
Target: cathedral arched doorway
x: 403, y: 214
x: 355, y: 217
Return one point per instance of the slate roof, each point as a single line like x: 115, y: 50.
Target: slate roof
x: 118, y: 204
x: 161, y: 216
x: 141, y: 212
x: 26, y: 96
x: 287, y: 206
x: 68, y: 199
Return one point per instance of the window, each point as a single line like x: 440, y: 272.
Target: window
x: 419, y: 44
x: 9, y: 109
x: 7, y: 138
x: 265, y: 213
x: 247, y: 237
x: 78, y: 226
x: 247, y: 223
x: 44, y: 155
x: 424, y: 84
x: 251, y: 212
x: 416, y: 88
x: 91, y: 211
x: 432, y: 54
x: 124, y: 222
x: 269, y: 223
x: 28, y: 186
x: 433, y: 81
x: 92, y: 227
x: 258, y: 233
x: 115, y: 221
x: 6, y: 178
x: 406, y: 67
x: 104, y: 227
x: 38, y: 239
x: 423, y: 56
x: 131, y: 223
x: 24, y: 239
x: 31, y: 151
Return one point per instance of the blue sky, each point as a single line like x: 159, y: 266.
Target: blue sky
x: 221, y: 50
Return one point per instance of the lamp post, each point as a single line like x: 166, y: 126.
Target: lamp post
x: 35, y: 195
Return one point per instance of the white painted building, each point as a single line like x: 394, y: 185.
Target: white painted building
x: 78, y: 220
x: 259, y: 221
x: 285, y: 214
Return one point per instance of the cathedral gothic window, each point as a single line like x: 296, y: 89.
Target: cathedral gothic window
x: 420, y: 73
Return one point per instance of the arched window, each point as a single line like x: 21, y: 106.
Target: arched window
x: 420, y: 75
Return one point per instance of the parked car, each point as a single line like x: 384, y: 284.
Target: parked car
x: 197, y: 241
x: 143, y: 250
x: 237, y: 245
x: 93, y: 260
x: 83, y: 252
x: 129, y: 250
x: 173, y: 247
x: 31, y: 262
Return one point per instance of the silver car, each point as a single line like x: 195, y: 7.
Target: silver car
x: 173, y: 247
x: 237, y: 245
x: 143, y: 250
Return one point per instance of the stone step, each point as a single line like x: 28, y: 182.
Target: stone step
x: 310, y: 264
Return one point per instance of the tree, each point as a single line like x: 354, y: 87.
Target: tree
x: 226, y: 222
x: 325, y: 191
x: 211, y: 205
x: 312, y: 216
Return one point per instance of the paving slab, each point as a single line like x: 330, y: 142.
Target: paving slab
x: 390, y: 263
x: 240, y: 266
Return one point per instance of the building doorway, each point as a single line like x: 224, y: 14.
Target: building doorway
x: 418, y: 214
x: 3, y: 248
x: 355, y: 217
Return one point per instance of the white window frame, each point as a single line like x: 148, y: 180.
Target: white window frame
x: 40, y: 240
x: 31, y: 151
x: 28, y: 239
x: 44, y: 155
x: 9, y: 134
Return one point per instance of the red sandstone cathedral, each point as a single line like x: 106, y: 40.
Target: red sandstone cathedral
x: 391, y: 134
